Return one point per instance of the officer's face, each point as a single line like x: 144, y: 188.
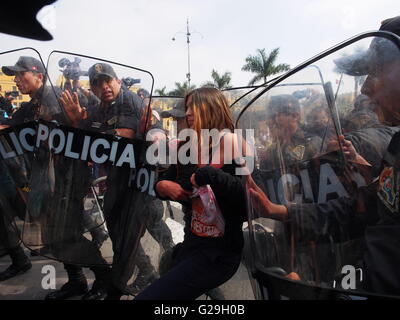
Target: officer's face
x: 319, y: 119
x: 384, y: 89
x: 287, y: 122
x: 28, y: 82
x: 106, y: 88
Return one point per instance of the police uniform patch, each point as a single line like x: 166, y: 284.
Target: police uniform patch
x: 98, y: 67
x: 112, y: 120
x: 387, y: 188
x: 297, y: 152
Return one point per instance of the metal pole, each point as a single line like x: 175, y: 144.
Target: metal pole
x: 188, y: 34
x: 188, y: 46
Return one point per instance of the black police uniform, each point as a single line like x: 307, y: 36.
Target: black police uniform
x: 9, y: 233
x: 283, y: 157
x: 382, y: 256
x: 123, y: 112
x: 376, y: 224
x: 44, y: 104
x: 160, y: 231
x: 371, y: 143
x: 301, y: 148
x: 46, y: 101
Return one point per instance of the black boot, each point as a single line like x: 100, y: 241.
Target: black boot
x: 76, y: 285
x: 114, y: 293
x: 143, y: 280
x: 98, y: 291
x: 100, y: 285
x: 20, y: 264
x: 68, y: 290
x: 147, y: 274
x: 166, y: 261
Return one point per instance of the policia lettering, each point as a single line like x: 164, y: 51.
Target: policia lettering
x: 74, y: 144
x: 77, y: 144
x: 14, y: 144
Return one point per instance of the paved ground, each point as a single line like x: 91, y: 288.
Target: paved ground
x: 28, y: 286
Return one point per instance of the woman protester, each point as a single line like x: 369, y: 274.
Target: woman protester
x: 207, y: 257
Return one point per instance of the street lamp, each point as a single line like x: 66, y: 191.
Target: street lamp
x: 188, y: 34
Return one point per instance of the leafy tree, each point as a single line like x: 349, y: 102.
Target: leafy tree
x: 181, y: 89
x: 161, y: 92
x: 263, y: 65
x: 219, y: 81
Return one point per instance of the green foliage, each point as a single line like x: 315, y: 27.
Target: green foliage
x: 161, y: 92
x: 219, y: 81
x: 263, y: 65
x: 181, y: 89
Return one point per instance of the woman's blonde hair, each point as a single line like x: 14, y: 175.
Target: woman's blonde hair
x: 210, y: 109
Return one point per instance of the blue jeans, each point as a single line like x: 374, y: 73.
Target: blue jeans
x: 191, y: 277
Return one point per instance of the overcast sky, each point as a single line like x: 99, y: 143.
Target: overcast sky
x: 224, y: 32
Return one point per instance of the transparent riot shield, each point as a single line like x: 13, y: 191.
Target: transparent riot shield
x: 164, y: 226
x: 312, y: 196
x: 22, y: 72
x: 169, y: 113
x: 84, y: 206
x: 239, y: 97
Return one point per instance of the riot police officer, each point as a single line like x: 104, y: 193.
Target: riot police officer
x: 372, y: 213
x: 29, y: 77
x: 290, y: 142
x: 117, y: 113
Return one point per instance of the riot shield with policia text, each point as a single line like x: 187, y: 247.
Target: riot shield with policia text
x: 81, y: 208
x: 312, y: 197
x: 21, y: 95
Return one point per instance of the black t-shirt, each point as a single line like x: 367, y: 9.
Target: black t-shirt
x: 230, y: 195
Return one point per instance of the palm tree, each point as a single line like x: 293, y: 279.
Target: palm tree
x: 181, y: 89
x: 161, y: 92
x: 264, y: 66
x: 219, y: 81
